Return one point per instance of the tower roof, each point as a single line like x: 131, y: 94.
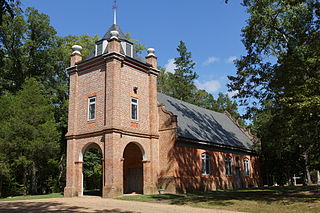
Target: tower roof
x: 114, y: 27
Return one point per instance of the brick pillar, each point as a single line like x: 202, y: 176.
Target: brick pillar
x: 76, y: 55
x: 70, y: 189
x: 113, y: 170
x: 79, y: 178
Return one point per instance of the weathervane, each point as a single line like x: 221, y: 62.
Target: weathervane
x: 114, y: 7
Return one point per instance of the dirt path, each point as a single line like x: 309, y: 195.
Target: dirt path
x: 95, y: 205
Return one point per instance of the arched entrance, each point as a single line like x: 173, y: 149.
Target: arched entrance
x: 92, y: 170
x: 133, y: 169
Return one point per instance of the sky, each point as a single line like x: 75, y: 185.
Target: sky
x: 211, y: 29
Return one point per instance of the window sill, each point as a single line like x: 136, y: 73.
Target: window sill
x: 134, y: 124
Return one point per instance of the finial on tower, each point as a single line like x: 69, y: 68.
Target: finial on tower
x: 115, y: 11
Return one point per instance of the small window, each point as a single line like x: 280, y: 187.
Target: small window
x: 228, y: 163
x: 205, y: 159
x: 129, y: 49
x: 91, y: 108
x: 246, y: 167
x: 134, y: 109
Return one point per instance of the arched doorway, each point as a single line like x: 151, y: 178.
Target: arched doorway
x: 92, y: 170
x: 133, y: 169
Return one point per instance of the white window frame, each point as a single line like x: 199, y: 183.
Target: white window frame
x: 205, y: 159
x: 228, y: 166
x: 137, y: 106
x: 246, y: 163
x: 95, y: 107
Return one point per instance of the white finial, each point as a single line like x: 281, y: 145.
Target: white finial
x: 114, y: 34
x: 115, y: 11
x: 76, y: 49
x: 150, y: 51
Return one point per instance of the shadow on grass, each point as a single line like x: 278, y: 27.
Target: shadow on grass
x: 51, y: 207
x: 286, y: 195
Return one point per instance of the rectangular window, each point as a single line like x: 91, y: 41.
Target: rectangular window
x: 228, y: 164
x: 91, y: 108
x: 246, y: 167
x: 205, y: 164
x: 134, y: 109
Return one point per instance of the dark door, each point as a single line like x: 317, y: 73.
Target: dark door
x: 135, y: 180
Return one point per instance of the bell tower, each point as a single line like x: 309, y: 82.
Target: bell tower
x: 113, y: 107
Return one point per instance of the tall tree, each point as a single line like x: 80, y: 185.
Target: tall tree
x: 28, y: 136
x: 282, y: 66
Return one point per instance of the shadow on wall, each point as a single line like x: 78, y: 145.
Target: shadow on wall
x: 42, y: 207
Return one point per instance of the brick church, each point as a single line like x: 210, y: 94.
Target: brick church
x: 149, y: 141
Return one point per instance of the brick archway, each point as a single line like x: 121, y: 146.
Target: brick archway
x: 83, y: 150
x: 133, y: 155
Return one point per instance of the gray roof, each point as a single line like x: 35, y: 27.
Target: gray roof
x: 201, y: 124
x: 114, y: 27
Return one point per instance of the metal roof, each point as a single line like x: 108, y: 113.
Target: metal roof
x: 201, y: 124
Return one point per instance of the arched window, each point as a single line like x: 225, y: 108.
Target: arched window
x: 205, y: 163
x: 228, y: 164
x: 246, y: 167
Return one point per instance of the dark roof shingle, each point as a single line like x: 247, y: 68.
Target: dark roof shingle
x: 205, y: 125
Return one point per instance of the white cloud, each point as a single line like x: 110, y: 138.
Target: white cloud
x: 231, y: 59
x: 209, y: 86
x: 170, y: 66
x: 232, y: 93
x: 211, y: 60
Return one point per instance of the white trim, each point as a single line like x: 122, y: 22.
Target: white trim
x: 95, y: 108
x: 137, y: 104
x: 205, y: 158
x: 246, y: 165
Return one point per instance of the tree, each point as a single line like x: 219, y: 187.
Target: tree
x: 29, y: 138
x: 138, y: 46
x: 281, y: 67
x: 8, y: 7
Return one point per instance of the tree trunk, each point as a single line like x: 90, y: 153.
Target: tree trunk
x: 307, y: 171
x: 318, y: 177
x: 24, y: 182
x: 0, y: 187
x: 34, y: 179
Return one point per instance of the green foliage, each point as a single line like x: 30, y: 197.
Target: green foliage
x: 180, y: 85
x: 92, y: 169
x: 29, y: 139
x: 278, y: 79
x: 138, y: 46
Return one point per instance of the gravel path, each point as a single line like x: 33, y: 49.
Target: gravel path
x: 95, y: 205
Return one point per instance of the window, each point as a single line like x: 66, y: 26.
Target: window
x: 228, y: 163
x: 91, y: 108
x: 246, y: 167
x: 205, y: 164
x: 134, y: 109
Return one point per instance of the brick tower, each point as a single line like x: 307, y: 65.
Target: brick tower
x: 113, y: 107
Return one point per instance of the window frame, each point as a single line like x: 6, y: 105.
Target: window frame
x: 95, y: 107
x: 137, y: 109
x: 246, y: 167
x: 205, y: 164
x: 228, y: 166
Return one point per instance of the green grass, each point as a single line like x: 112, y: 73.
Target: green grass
x: 32, y: 197
x: 259, y: 200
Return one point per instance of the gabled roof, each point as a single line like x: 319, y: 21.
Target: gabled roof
x: 201, y: 124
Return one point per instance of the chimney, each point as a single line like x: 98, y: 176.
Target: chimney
x: 151, y: 58
x: 76, y: 56
x: 114, y: 42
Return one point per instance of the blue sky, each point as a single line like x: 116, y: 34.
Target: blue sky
x: 211, y: 29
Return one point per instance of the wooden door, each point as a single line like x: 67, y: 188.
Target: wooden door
x: 135, y: 180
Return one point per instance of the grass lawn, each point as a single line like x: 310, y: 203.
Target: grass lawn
x: 32, y: 197
x: 260, y: 200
